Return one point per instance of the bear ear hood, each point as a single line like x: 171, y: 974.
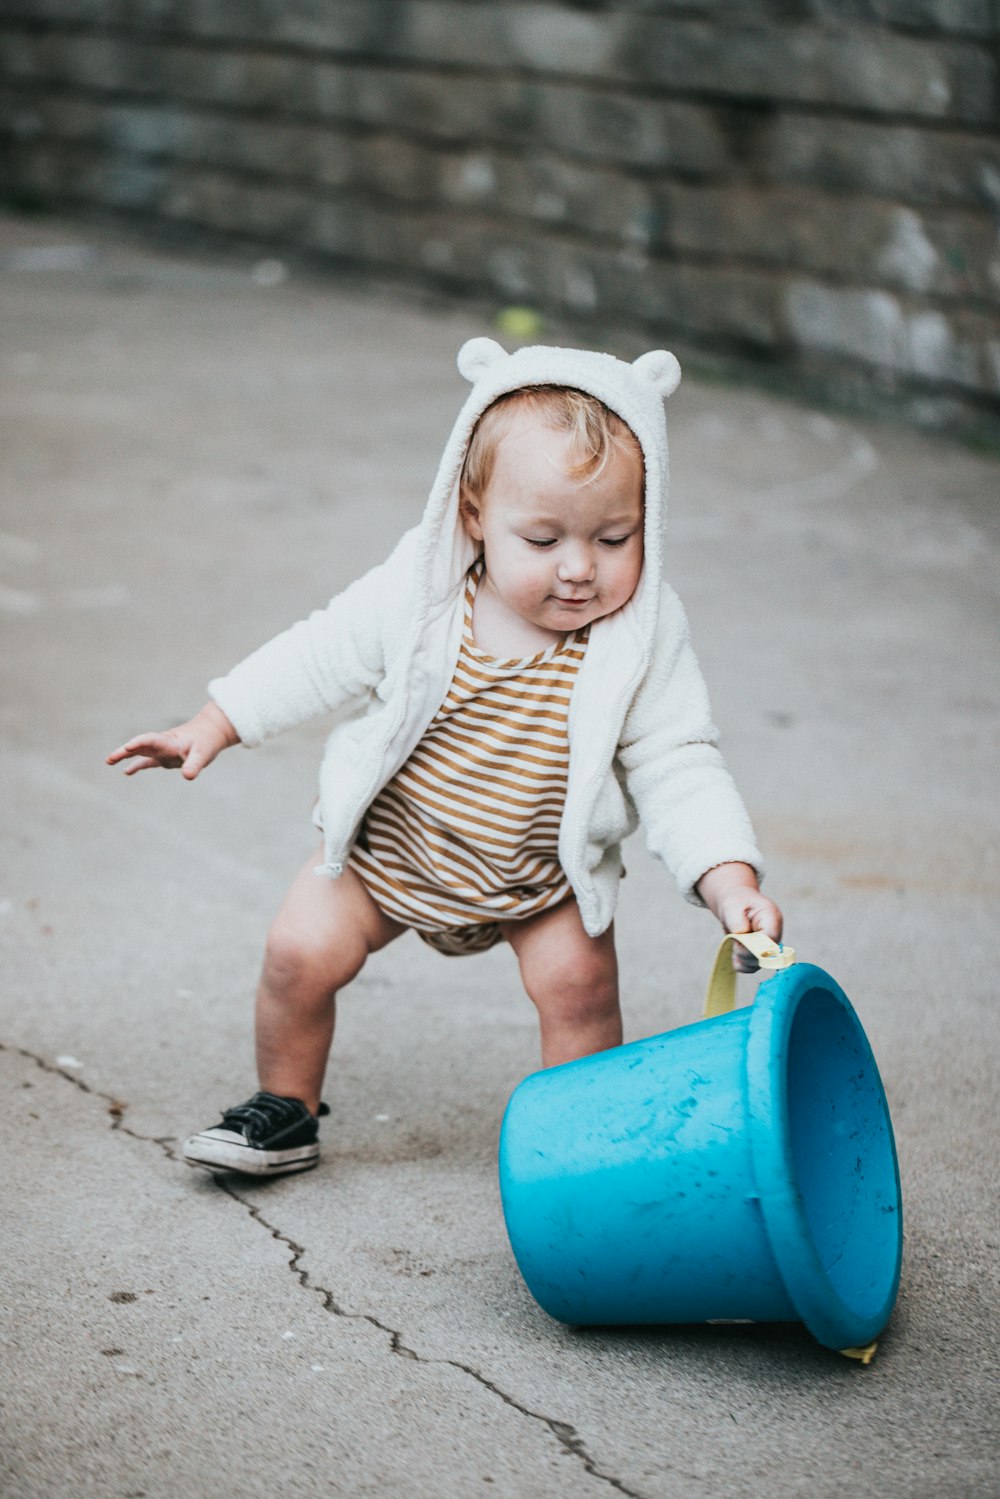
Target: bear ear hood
x: 661, y: 369
x: 634, y: 391
x: 478, y: 356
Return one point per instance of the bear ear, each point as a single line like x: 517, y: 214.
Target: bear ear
x: 661, y: 369
x: 478, y: 355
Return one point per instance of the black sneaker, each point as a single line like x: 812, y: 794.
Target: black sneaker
x: 265, y: 1136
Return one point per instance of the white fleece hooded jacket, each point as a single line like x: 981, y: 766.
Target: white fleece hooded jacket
x: 643, y: 748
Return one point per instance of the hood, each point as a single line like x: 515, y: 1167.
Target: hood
x: 635, y: 392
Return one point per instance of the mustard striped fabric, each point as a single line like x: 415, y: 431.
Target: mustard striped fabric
x: 467, y: 832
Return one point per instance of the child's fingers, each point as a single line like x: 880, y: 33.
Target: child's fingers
x: 161, y: 749
x: 194, y: 761
x: 752, y: 915
x: 142, y: 744
x: 148, y: 752
x: 146, y: 763
x: 767, y: 918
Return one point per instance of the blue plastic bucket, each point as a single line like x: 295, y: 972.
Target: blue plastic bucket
x: 742, y: 1168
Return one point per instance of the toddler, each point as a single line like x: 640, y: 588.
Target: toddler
x: 516, y: 692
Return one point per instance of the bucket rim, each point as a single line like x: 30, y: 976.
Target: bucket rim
x: 826, y: 1314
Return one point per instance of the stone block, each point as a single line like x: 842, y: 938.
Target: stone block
x: 334, y: 228
x: 908, y: 164
x: 55, y: 12
x: 270, y: 80
x: 397, y: 238
x: 590, y: 123
x: 110, y: 64
x: 138, y: 130
x: 595, y: 281
x: 622, y: 127
x: 185, y: 195
x: 164, y: 16
x: 883, y: 332
x: 198, y: 75
x: 561, y: 40
x: 273, y: 148
x: 859, y: 67
x: 437, y: 32
x: 38, y: 172
x: 213, y: 200
x: 333, y: 153
x: 739, y: 306
x: 234, y: 20
x: 951, y: 17
x: 879, y: 243
x: 267, y: 149
x: 133, y: 184
x: 480, y: 176
x: 207, y: 139
x: 424, y: 104
x: 396, y: 166
x: 444, y: 33
x: 21, y: 123
x: 19, y: 56
x: 383, y: 98
x: 348, y: 26
x: 547, y: 189
x: 954, y: 255
x: 67, y: 117
x: 276, y: 211
x: 333, y: 89
x: 510, y: 263
x: 216, y: 140
x: 456, y: 249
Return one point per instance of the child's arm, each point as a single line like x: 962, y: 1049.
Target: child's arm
x: 188, y: 748
x: 334, y: 658
x: 731, y: 893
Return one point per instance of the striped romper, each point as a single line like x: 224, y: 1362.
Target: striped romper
x: 466, y: 834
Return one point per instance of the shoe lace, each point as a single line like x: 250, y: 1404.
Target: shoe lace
x: 262, y: 1114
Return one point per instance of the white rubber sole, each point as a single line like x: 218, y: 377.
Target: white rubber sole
x: 225, y: 1150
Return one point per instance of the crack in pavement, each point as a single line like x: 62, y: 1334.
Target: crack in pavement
x: 566, y: 1435
x: 116, y: 1107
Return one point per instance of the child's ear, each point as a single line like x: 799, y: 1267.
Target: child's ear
x: 469, y: 511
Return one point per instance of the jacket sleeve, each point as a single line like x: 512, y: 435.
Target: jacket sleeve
x: 334, y: 657
x: 686, y: 799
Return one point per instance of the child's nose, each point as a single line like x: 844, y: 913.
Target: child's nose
x: 576, y: 564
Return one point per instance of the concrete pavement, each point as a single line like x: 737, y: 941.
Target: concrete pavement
x: 194, y: 454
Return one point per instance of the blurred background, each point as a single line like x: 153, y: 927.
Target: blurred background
x: 800, y: 193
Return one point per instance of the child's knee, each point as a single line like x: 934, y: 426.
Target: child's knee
x: 579, y: 985
x: 296, y: 960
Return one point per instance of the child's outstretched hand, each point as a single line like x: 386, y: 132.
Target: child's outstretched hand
x: 188, y: 748
x: 731, y: 893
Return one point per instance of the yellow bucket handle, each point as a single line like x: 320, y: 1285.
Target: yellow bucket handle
x: 720, y: 998
x: 721, y: 995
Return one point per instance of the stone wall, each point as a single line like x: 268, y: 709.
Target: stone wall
x: 805, y: 191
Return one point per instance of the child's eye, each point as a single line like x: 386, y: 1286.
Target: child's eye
x: 614, y: 541
x: 540, y: 541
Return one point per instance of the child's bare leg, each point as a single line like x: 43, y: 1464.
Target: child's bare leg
x: 318, y: 943
x: 572, y: 980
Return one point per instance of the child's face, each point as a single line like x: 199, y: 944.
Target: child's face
x: 560, y: 552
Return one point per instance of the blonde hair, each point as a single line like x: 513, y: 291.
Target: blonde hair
x: 595, y: 432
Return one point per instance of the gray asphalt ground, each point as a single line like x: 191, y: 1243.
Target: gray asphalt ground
x: 192, y: 458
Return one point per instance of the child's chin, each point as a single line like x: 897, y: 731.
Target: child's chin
x: 576, y: 614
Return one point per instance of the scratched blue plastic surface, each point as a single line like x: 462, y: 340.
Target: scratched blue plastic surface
x: 739, y: 1168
